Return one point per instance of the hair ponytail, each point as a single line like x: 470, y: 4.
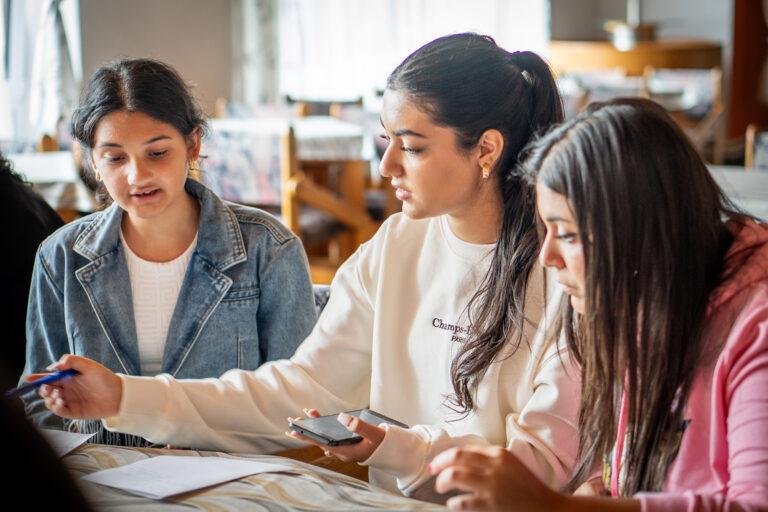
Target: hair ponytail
x: 545, y: 104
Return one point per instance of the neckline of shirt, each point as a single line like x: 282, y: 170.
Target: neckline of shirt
x: 183, y: 256
x: 464, y: 250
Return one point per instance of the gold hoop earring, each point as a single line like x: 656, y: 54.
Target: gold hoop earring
x: 96, y: 174
x: 193, y: 169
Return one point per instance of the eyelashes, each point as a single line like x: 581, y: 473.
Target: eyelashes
x: 406, y: 149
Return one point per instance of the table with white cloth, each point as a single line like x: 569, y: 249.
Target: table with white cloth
x: 54, y: 176
x: 302, y: 487
x: 241, y: 156
x: 748, y: 189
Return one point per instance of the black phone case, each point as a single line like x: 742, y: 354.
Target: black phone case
x: 353, y: 439
x: 328, y: 431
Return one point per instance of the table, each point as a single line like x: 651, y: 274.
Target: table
x: 305, y: 487
x: 54, y: 176
x: 242, y: 155
x: 748, y: 189
x: 570, y: 56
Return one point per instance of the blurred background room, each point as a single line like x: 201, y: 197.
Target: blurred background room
x: 293, y: 88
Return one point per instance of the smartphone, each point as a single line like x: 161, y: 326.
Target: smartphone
x: 327, y: 430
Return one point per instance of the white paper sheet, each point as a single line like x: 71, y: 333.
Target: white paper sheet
x: 168, y: 475
x: 64, y: 442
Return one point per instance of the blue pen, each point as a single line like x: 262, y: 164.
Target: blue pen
x: 21, y: 390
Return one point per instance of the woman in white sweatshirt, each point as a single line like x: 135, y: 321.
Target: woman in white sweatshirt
x: 424, y: 323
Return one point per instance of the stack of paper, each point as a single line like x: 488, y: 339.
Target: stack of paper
x: 167, y: 475
x: 64, y: 442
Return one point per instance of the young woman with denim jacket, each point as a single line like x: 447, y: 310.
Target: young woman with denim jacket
x: 168, y: 278
x: 429, y: 309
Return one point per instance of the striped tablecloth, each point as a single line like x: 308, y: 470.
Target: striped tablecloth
x: 305, y: 487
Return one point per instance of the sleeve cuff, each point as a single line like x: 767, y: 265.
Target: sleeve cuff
x: 402, y: 454
x: 663, y: 502
x: 142, y: 396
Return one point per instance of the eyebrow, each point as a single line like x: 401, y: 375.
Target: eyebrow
x: 407, y: 132
x: 150, y: 141
x: 403, y: 131
x: 556, y: 219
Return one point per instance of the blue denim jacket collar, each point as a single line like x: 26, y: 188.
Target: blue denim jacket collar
x: 220, y: 245
x: 219, y: 239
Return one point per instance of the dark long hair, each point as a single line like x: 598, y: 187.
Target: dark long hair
x: 136, y: 85
x: 651, y: 219
x: 468, y: 83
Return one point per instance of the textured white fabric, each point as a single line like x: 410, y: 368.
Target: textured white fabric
x: 155, y: 289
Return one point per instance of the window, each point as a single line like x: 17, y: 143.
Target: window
x: 41, y: 67
x: 346, y: 48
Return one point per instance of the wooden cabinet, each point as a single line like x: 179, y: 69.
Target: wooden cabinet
x: 574, y: 56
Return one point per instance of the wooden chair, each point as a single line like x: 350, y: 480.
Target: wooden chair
x: 220, y: 107
x: 48, y: 143
x: 706, y: 130
x: 306, y: 107
x: 346, y: 208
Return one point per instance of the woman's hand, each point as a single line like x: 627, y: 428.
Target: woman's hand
x: 93, y: 394
x: 358, y: 452
x: 493, y: 479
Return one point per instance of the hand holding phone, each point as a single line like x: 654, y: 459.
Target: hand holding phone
x: 328, y: 431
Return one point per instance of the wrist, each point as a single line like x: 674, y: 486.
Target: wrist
x: 117, y: 394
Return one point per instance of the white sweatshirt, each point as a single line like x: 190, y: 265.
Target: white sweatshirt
x: 385, y: 340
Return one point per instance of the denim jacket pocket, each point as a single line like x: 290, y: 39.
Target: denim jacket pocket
x: 230, y: 338
x: 246, y: 294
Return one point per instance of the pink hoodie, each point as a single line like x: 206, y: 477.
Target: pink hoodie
x: 722, y: 463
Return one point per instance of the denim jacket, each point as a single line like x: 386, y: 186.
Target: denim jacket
x: 246, y: 297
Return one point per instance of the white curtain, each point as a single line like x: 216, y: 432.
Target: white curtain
x: 29, y: 29
x: 54, y: 85
x: 255, y: 54
x: 346, y: 48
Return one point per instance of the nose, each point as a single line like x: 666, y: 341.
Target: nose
x: 137, y: 173
x: 549, y: 255
x: 389, y: 166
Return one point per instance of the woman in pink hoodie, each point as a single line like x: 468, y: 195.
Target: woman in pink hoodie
x: 667, y: 315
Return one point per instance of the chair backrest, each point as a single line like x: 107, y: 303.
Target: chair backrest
x: 304, y: 107
x: 301, y: 195
x: 47, y: 143
x: 290, y: 175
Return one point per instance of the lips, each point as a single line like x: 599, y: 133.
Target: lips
x: 145, y: 193
x: 401, y: 193
x: 146, y: 196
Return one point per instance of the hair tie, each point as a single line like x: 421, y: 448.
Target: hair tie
x: 518, y: 58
